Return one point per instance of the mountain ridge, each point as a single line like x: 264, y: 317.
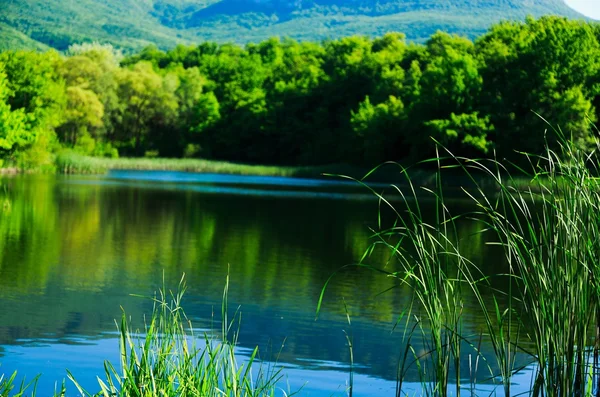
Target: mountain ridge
x: 133, y: 24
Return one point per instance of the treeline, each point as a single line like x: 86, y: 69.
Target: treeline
x: 353, y: 100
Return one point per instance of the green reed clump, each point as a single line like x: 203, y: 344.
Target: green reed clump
x: 168, y: 359
x: 10, y: 388
x: 69, y: 162
x: 424, y: 256
x: 550, y: 233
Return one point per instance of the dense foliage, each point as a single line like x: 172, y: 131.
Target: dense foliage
x: 352, y: 100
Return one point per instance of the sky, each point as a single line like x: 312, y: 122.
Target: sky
x: 591, y: 8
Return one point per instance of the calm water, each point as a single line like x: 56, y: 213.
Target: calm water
x: 75, y: 249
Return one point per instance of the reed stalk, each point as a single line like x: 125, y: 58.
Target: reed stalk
x: 168, y: 359
x: 550, y: 233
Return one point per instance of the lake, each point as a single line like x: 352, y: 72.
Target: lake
x: 77, y: 249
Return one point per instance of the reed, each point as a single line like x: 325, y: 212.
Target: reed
x: 424, y: 255
x: 69, y: 162
x: 10, y: 388
x: 550, y: 233
x: 168, y: 359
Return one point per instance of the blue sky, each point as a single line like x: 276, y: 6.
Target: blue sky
x: 591, y: 8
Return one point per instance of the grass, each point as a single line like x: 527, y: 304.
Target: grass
x: 551, y: 240
x: 550, y: 234
x: 168, y: 359
x: 549, y: 231
x: 72, y: 163
x: 69, y: 162
x: 425, y: 256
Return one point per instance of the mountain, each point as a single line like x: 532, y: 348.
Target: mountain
x: 132, y: 24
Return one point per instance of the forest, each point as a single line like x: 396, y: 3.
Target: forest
x: 355, y: 100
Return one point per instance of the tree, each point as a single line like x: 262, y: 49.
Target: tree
x: 291, y: 87
x: 192, y: 116
x: 450, y: 82
x: 530, y: 70
x: 147, y: 101
x: 13, y: 131
x: 83, y: 114
x: 381, y: 129
x: 463, y: 134
x: 94, y: 67
x: 236, y: 78
x: 206, y: 113
x: 35, y: 96
x: 35, y: 87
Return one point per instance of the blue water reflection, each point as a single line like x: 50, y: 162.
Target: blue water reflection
x: 73, y: 249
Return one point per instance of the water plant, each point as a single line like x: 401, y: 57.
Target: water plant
x: 549, y: 233
x: 70, y: 162
x: 168, y: 359
x: 425, y: 256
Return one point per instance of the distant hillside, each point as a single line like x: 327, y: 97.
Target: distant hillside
x: 132, y: 24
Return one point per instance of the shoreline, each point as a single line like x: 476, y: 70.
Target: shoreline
x: 73, y: 163
x: 70, y: 163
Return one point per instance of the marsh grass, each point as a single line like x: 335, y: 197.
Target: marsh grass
x: 547, y: 222
x: 550, y: 234
x: 168, y: 359
x: 424, y: 255
x: 68, y: 162
x: 9, y: 386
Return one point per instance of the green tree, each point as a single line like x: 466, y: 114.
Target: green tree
x: 147, y: 101
x: 450, y: 81
x: 94, y: 67
x: 294, y: 76
x: 444, y: 86
x: 35, y: 86
x: 237, y: 77
x: 381, y: 129
x: 463, y: 134
x: 195, y: 112
x: 13, y: 131
x: 206, y: 113
x: 534, y: 68
x: 83, y: 114
x: 35, y: 90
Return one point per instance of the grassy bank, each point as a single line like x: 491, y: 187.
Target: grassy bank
x: 421, y: 174
x: 73, y: 163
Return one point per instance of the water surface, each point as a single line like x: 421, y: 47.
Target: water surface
x: 74, y: 251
